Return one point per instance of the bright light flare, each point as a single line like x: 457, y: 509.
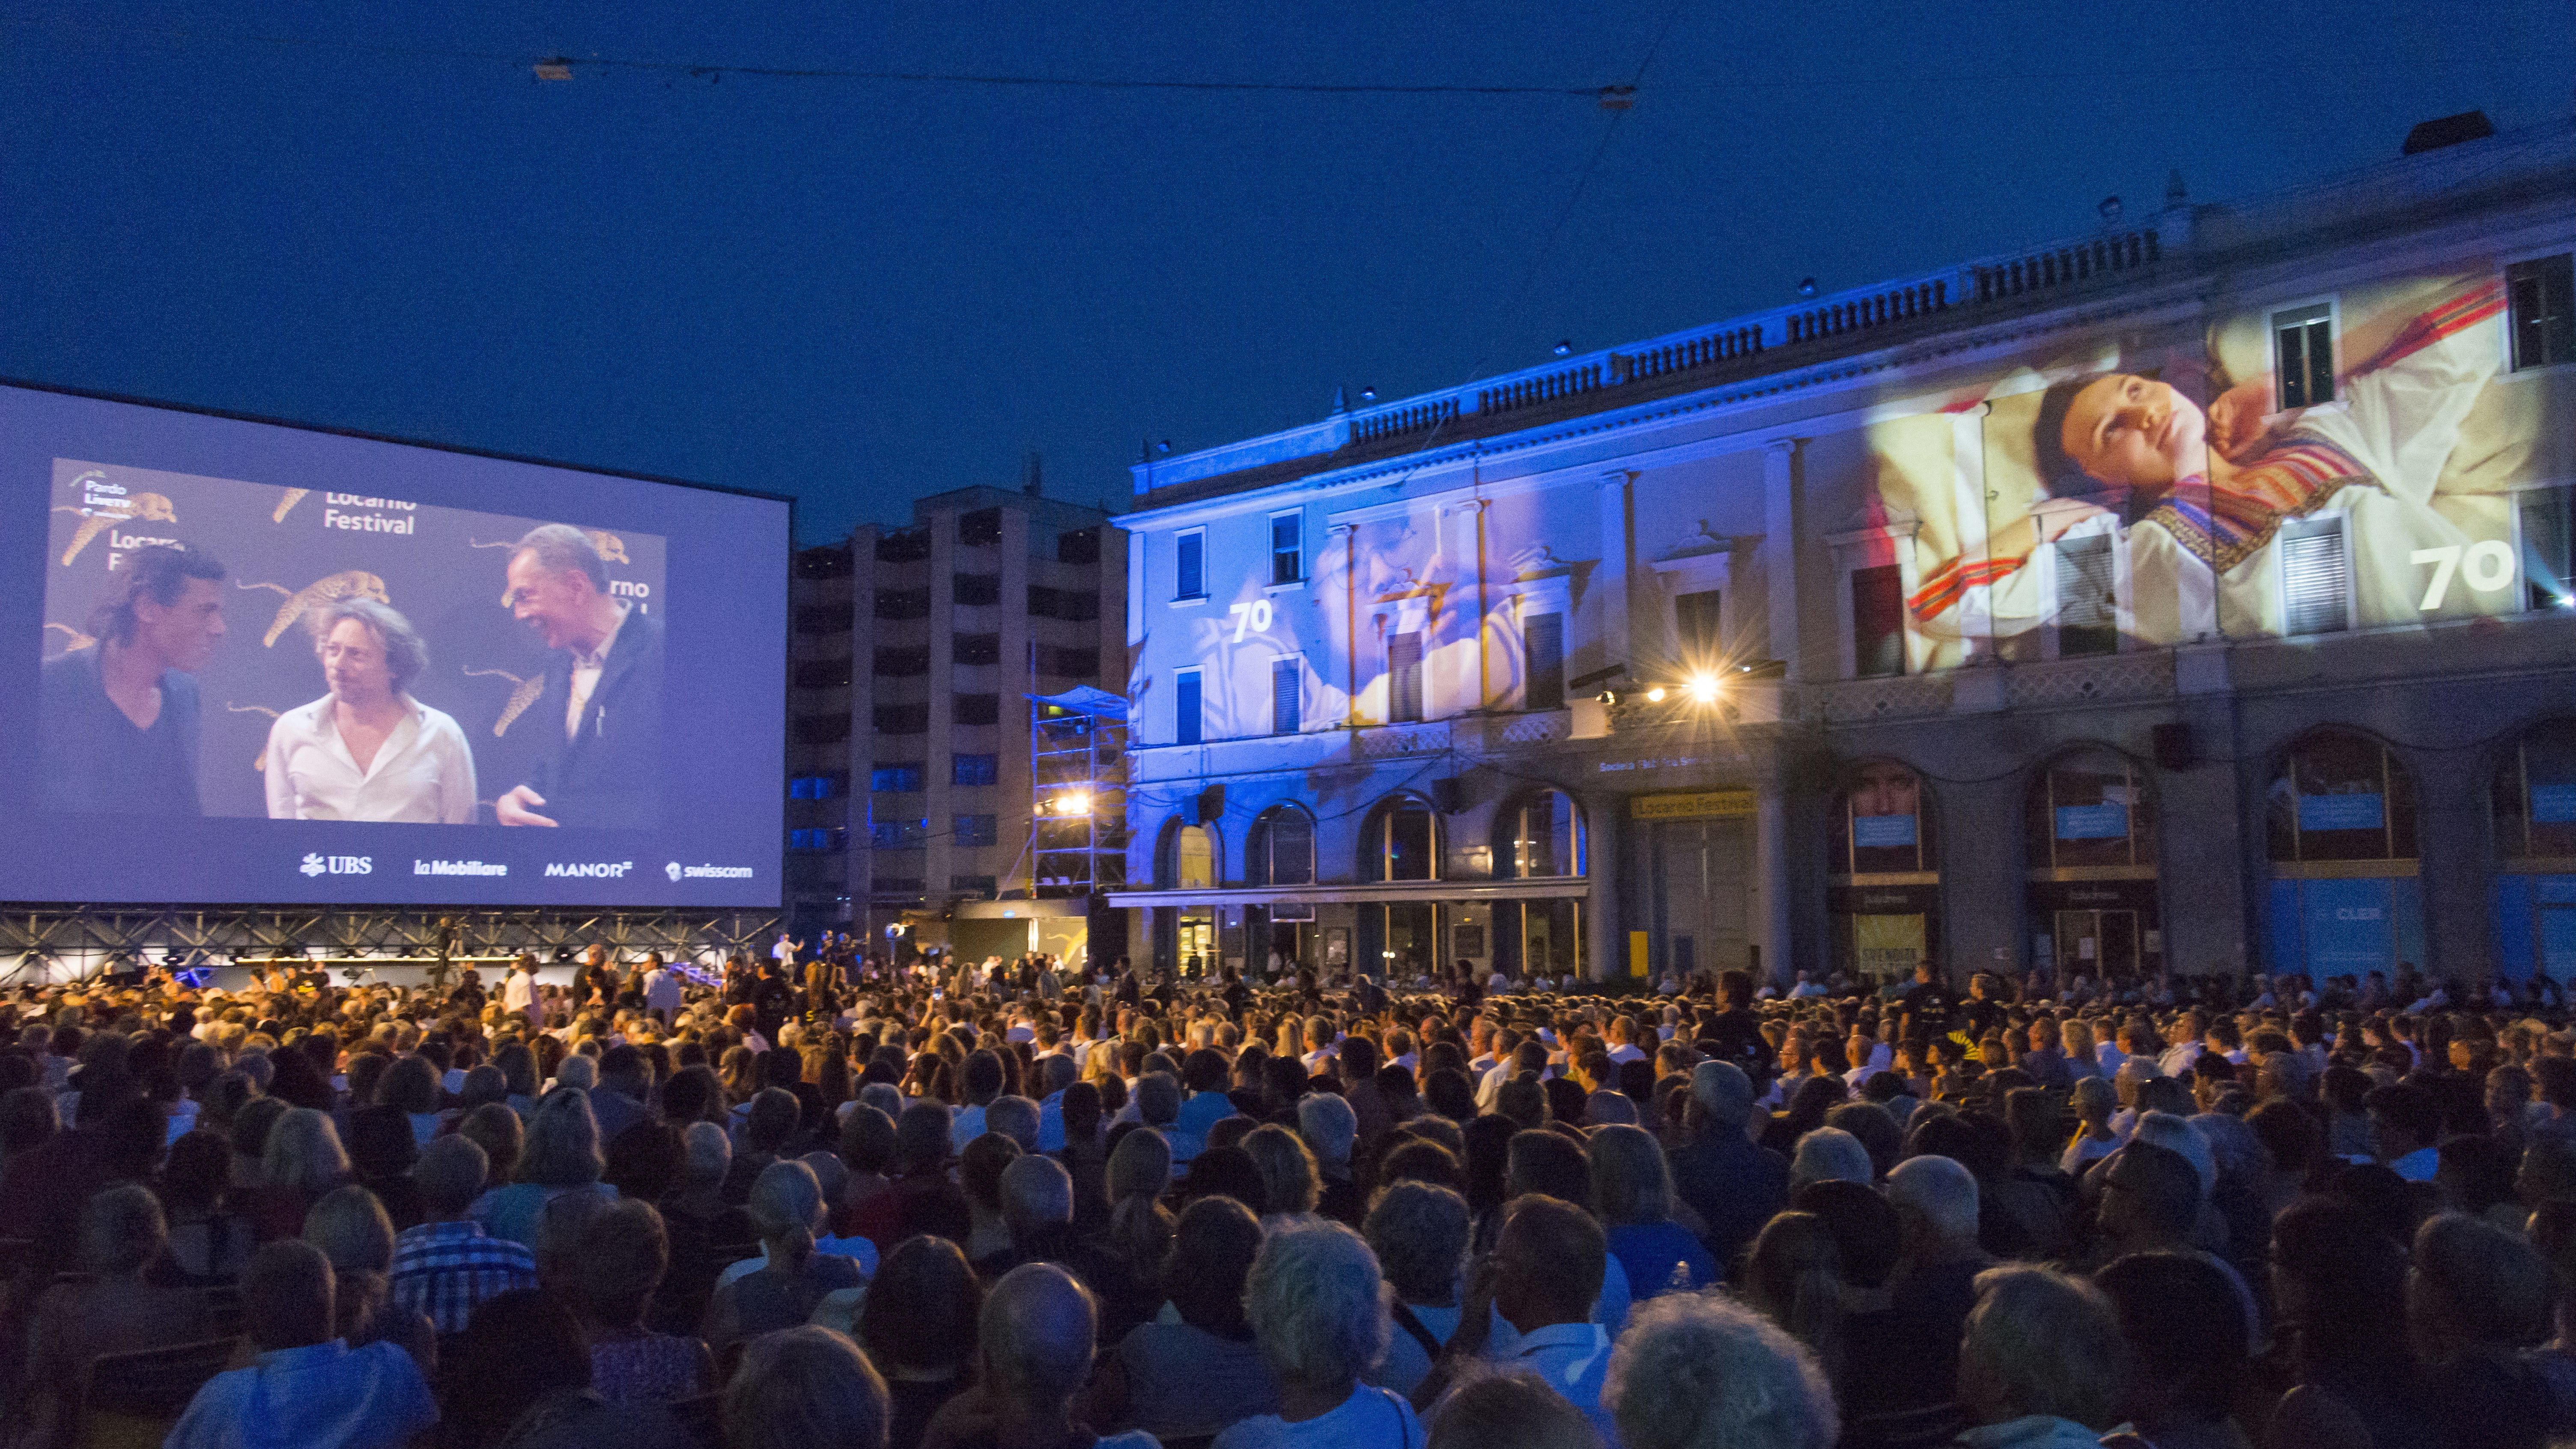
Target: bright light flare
x: 1655, y: 695
x: 1703, y: 689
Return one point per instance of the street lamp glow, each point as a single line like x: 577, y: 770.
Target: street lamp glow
x: 1076, y: 803
x: 1703, y: 688
x: 1655, y: 695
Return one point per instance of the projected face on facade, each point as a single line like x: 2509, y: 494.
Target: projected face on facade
x: 1885, y: 787
x: 2133, y: 433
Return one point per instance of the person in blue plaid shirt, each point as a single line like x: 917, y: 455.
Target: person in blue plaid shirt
x: 448, y: 1265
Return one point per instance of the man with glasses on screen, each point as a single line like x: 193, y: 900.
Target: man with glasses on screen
x: 119, y: 717
x: 602, y: 762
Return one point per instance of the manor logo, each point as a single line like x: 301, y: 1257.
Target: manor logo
x: 591, y: 869
x: 319, y: 864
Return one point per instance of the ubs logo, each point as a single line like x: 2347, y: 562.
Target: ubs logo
x: 318, y: 864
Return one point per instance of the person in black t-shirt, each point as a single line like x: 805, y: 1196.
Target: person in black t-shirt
x: 1928, y: 1005
x: 117, y: 719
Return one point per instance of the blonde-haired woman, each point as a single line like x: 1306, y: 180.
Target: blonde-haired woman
x: 2083, y: 1056
x: 301, y: 1163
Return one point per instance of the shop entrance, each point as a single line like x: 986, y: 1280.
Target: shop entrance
x: 2099, y: 943
x: 1197, y: 942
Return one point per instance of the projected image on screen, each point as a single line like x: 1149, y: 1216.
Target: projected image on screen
x: 225, y: 647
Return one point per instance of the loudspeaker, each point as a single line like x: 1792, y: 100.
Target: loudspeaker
x: 1449, y: 796
x: 2172, y: 746
x: 1211, y: 804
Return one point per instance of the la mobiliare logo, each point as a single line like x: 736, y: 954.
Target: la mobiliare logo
x: 316, y: 863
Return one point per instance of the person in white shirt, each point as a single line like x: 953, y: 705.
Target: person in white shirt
x: 519, y: 992
x: 663, y: 993
x: 368, y: 750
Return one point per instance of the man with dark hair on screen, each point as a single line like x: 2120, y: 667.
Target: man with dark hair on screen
x: 119, y: 717
x: 602, y: 761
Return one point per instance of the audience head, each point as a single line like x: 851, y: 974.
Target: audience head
x: 1037, y: 1329
x: 1314, y: 1301
x: 805, y: 1386
x: 1212, y: 1252
x: 1509, y: 1409
x: 287, y: 1296
x: 1936, y: 1201
x: 121, y: 1229
x: 1829, y: 1154
x: 922, y: 1308
x: 1548, y: 1263
x: 2041, y: 1343
x: 2189, y: 1327
x: 1698, y: 1371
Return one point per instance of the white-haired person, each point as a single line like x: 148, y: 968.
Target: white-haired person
x: 1701, y: 1371
x: 1935, y: 1285
x: 1509, y: 1409
x: 1317, y: 1308
x: 2042, y: 1364
x: 1830, y: 1154
x: 367, y: 750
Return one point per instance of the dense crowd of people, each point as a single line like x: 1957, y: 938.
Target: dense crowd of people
x: 1014, y: 1204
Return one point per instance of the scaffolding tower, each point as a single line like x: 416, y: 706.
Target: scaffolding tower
x: 1078, y: 781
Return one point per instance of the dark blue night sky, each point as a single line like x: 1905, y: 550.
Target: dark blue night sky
x: 861, y: 292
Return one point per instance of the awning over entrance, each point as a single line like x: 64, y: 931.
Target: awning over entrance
x: 1574, y: 887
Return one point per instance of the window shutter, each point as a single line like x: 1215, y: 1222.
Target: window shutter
x: 1286, y: 708
x: 2314, y: 578
x: 1404, y: 676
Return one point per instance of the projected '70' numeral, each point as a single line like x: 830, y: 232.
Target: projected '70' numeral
x: 2486, y: 566
x: 1254, y: 618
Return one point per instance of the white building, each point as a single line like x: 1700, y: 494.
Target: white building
x: 1916, y: 621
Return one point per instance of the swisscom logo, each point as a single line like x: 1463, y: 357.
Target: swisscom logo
x: 319, y: 864
x: 677, y: 871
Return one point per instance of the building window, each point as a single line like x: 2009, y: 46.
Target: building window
x: 1546, y: 838
x: 822, y: 619
x: 902, y: 663
x: 2315, y: 577
x: 980, y: 528
x: 974, y: 769
x: 898, y: 834
x: 972, y: 885
x: 1696, y: 627
x: 2346, y: 895
x: 2548, y: 548
x: 1878, y: 621
x: 1287, y: 548
x: 1190, y: 567
x: 823, y: 674
x: 1068, y: 604
x: 1066, y: 663
x: 2303, y: 355
x: 835, y: 838
x: 2542, y: 294
x: 1079, y: 546
x: 823, y: 729
x: 1404, y: 676
x: 1543, y: 643
x: 976, y: 588
x: 976, y: 709
x: 906, y: 545
x: 1402, y: 842
x: 1186, y: 858
x: 903, y: 603
x: 976, y: 648
x: 816, y: 787
x: 1281, y: 851
x: 1185, y: 707
x: 977, y: 829
x: 1287, y: 706
x: 902, y: 719
x: 2087, y: 617
x: 895, y: 778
